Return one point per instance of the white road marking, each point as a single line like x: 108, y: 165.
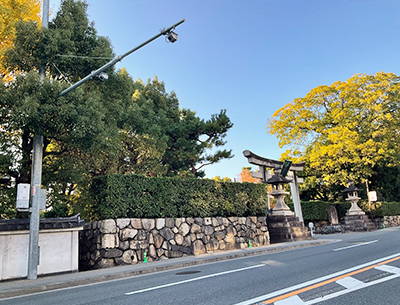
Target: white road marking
x: 350, y: 282
x: 336, y: 294
x: 388, y: 268
x: 357, y: 245
x: 312, y: 282
x: 194, y: 279
x: 294, y: 300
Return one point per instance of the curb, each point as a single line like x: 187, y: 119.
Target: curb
x: 37, y: 287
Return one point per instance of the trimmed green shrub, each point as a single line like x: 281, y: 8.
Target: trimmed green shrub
x: 131, y: 196
x: 381, y: 209
x: 318, y: 210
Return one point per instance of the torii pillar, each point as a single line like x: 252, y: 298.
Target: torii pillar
x: 263, y: 175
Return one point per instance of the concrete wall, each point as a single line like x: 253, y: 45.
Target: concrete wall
x: 109, y: 243
x: 58, y: 252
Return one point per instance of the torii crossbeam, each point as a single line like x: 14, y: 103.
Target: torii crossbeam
x: 263, y: 175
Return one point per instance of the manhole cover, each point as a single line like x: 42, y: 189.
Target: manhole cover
x: 187, y: 272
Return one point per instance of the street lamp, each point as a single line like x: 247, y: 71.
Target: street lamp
x: 36, y: 191
x: 171, y: 36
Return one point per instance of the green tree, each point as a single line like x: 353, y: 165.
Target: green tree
x: 348, y: 130
x: 118, y: 126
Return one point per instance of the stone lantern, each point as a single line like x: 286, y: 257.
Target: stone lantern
x: 352, y: 196
x: 278, y: 191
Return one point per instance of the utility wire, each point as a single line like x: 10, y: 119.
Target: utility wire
x: 86, y: 57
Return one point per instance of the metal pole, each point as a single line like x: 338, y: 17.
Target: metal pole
x: 119, y: 58
x: 36, y: 181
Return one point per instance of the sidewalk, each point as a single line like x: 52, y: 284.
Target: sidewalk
x: 22, y: 287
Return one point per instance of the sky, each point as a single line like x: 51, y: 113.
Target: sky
x: 250, y: 57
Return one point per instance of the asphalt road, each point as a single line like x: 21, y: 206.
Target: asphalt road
x: 354, y: 269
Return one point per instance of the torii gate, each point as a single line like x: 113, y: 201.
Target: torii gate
x: 263, y: 175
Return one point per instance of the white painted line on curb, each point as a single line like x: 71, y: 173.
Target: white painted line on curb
x: 194, y: 279
x: 357, y: 245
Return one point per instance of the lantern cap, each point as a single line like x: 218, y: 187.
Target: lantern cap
x: 278, y: 179
x: 351, y: 188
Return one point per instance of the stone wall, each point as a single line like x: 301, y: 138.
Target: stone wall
x: 109, y: 243
x: 388, y: 221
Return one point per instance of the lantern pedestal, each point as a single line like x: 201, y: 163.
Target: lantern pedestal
x: 283, y: 225
x: 286, y: 228
x: 354, y: 209
x: 355, y: 219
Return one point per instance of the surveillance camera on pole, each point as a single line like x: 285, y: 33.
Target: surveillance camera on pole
x: 102, y: 76
x: 99, y: 73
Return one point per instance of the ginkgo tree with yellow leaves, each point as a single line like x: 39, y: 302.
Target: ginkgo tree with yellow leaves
x: 349, y: 130
x: 12, y: 11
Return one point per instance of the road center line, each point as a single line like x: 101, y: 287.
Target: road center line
x: 380, y: 261
x: 357, y: 245
x: 194, y: 279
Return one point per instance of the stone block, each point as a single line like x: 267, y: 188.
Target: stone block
x: 170, y: 222
x: 179, y: 239
x: 108, y: 241
x: 215, y: 222
x: 129, y: 257
x: 123, y: 222
x: 179, y: 221
x: 207, y: 221
x: 95, y: 256
x: 160, y: 223
x: 199, y: 221
x: 167, y: 233
x: 225, y: 222
x: 198, y: 247
x: 231, y: 230
x: 160, y: 252
x: 123, y: 245
x: 105, y: 263
x: 111, y: 253
x: 127, y: 234
x: 208, y: 230
x: 184, y: 229
x: 158, y: 241
x: 136, y: 223
x: 138, y: 244
x: 108, y: 226
x: 152, y: 251
x: 148, y: 224
x: 142, y: 235
x: 195, y: 229
x: 219, y: 235
x: 189, y: 221
x: 206, y: 239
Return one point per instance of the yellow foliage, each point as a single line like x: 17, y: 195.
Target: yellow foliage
x: 344, y: 129
x: 12, y: 11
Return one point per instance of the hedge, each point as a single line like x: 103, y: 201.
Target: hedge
x: 133, y: 196
x: 318, y: 210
